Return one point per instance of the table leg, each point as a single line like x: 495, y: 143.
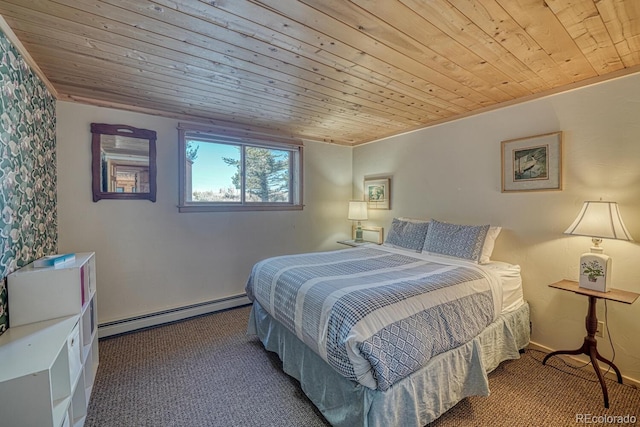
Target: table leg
x: 610, y: 363
x: 590, y: 348
x: 594, y: 362
x: 555, y: 353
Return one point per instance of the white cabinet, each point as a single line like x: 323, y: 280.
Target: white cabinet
x: 46, y: 293
x: 49, y: 356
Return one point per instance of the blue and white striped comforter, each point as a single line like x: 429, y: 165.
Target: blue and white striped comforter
x: 376, y: 314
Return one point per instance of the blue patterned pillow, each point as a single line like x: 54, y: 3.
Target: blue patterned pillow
x: 460, y: 241
x: 407, y: 234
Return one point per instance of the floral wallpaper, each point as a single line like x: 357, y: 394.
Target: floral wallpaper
x: 28, y: 215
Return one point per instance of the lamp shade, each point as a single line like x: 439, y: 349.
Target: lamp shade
x: 357, y: 211
x: 601, y: 220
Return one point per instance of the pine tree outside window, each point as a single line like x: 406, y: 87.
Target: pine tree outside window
x: 225, y: 173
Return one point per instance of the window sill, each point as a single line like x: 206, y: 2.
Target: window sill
x: 238, y: 208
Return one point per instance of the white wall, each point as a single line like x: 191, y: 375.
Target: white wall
x: 452, y: 172
x: 150, y: 257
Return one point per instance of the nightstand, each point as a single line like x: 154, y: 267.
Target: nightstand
x: 352, y: 243
x: 589, y: 346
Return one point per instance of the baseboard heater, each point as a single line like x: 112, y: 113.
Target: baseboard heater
x: 166, y: 316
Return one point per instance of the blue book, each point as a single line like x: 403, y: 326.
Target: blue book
x: 54, y: 260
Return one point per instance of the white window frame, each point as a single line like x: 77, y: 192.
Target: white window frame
x: 186, y: 132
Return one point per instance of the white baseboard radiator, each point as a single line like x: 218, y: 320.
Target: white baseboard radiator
x: 167, y: 316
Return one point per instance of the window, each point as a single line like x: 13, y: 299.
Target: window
x: 226, y: 173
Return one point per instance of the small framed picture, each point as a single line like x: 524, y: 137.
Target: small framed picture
x: 377, y: 193
x: 533, y: 163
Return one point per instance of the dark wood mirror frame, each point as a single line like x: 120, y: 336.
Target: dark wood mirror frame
x: 99, y: 129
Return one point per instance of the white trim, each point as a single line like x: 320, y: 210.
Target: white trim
x: 575, y: 362
x: 167, y: 316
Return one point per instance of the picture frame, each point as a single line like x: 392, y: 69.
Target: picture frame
x: 377, y: 193
x: 370, y: 234
x: 533, y: 163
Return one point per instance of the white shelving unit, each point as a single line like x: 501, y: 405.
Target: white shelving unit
x: 49, y: 354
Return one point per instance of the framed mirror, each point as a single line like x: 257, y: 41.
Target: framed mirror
x: 123, y: 162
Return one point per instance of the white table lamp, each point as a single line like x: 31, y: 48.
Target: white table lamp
x: 358, y: 212
x: 598, y: 220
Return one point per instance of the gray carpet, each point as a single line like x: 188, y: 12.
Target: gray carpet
x: 207, y: 372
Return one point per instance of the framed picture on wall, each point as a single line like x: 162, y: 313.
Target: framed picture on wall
x: 377, y: 193
x: 533, y: 163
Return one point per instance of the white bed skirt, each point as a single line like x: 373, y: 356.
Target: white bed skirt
x: 416, y: 400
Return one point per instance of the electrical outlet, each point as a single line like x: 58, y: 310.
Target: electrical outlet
x: 600, y: 330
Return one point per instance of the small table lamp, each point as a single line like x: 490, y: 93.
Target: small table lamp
x: 358, y: 212
x: 598, y: 220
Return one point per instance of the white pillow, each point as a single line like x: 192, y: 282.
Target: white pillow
x: 489, y: 243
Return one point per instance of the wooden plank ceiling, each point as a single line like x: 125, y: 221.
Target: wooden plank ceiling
x: 340, y: 71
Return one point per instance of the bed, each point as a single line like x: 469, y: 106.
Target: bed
x: 392, y: 335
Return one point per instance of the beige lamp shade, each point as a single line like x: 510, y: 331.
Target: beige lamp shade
x: 600, y: 220
x: 357, y: 211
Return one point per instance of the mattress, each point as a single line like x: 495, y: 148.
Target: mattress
x: 511, y: 283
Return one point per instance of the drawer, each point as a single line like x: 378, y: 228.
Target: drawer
x: 74, y: 346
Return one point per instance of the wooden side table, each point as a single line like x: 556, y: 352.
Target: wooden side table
x: 589, y: 346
